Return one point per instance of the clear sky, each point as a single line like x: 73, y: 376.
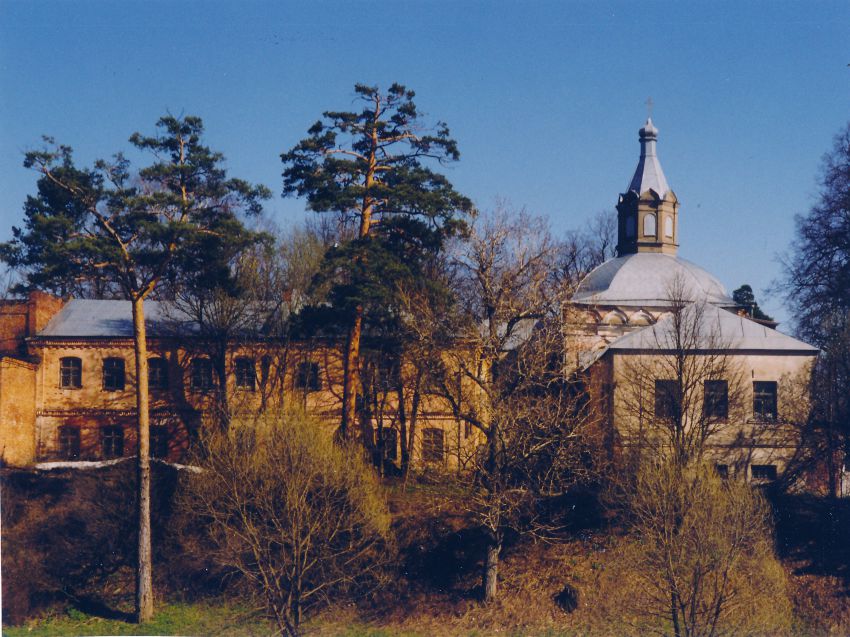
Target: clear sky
x: 544, y: 98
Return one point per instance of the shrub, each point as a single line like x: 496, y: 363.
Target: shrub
x: 299, y: 517
x: 702, y: 554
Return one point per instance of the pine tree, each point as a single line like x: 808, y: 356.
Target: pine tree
x: 372, y: 167
x: 744, y: 297
x: 135, y: 231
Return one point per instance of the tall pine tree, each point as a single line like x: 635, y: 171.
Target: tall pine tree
x: 134, y: 231
x: 373, y: 167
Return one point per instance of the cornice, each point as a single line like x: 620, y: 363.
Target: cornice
x: 87, y: 343
x: 107, y: 413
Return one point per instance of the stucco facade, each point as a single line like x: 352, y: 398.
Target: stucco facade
x: 675, y: 360
x: 67, y: 387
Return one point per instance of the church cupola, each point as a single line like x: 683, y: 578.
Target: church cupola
x: 647, y: 213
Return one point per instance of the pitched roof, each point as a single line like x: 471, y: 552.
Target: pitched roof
x: 91, y: 318
x: 710, y: 327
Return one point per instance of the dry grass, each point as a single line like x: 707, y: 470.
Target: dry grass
x: 437, y: 593
x: 436, y: 587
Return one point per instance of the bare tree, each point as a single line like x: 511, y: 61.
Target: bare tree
x: 816, y: 282
x: 279, y: 509
x: 701, y: 543
x: 497, y: 361
x: 584, y: 249
x: 703, y: 554
x: 680, y: 382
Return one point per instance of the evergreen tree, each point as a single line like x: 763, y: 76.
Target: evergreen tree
x: 134, y: 231
x: 372, y: 168
x: 744, y: 297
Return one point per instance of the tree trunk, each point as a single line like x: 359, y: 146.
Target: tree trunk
x: 674, y: 615
x: 367, y: 434
x: 413, y: 417
x: 351, y: 376
x: 402, y: 427
x: 144, y: 586
x: 491, y: 569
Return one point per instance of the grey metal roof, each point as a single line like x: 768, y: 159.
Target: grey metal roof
x: 113, y: 319
x: 648, y: 174
x: 707, y: 326
x: 645, y: 279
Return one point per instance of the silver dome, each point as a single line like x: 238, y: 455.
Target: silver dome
x: 645, y: 280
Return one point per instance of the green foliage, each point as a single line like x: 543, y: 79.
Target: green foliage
x: 171, y: 619
x: 372, y: 167
x: 744, y: 297
x: 330, y: 166
x: 54, y: 229
x: 108, y: 230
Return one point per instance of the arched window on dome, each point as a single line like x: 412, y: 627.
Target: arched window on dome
x: 649, y: 226
x: 668, y: 227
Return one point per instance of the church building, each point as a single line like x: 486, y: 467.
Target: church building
x: 674, y: 362
x: 677, y: 361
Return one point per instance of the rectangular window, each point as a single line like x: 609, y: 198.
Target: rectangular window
x: 667, y: 399
x: 112, y: 441
x: 246, y: 374
x: 157, y: 373
x: 113, y: 374
x: 433, y: 445
x: 265, y: 370
x: 764, y: 400
x: 715, y: 400
x: 307, y: 376
x: 202, y: 374
x: 70, y: 373
x: 69, y: 442
x: 159, y: 441
x: 387, y: 374
x: 390, y: 437
x: 722, y: 470
x: 763, y: 471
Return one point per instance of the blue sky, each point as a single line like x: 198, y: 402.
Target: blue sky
x: 544, y: 98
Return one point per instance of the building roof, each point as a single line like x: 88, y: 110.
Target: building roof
x: 708, y: 327
x: 92, y: 318
x: 648, y: 174
x: 645, y: 280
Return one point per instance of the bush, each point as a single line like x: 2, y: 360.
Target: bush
x: 701, y: 556
x: 299, y: 517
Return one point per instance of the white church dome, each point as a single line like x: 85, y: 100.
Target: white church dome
x: 646, y: 279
